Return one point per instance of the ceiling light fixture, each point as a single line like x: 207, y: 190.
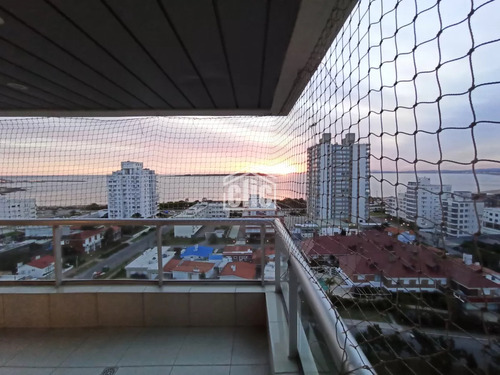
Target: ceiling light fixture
x: 2, y: 22
x: 17, y: 86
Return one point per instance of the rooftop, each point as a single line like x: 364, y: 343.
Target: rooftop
x: 42, y: 262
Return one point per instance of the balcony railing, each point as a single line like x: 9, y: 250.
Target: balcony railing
x: 317, y: 334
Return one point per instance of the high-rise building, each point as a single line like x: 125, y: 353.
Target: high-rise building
x: 424, y: 202
x: 131, y: 191
x: 490, y: 220
x: 462, y: 214
x: 338, y: 185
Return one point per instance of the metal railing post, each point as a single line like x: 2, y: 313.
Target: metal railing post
x: 263, y: 259
x: 293, y: 312
x: 57, y: 248
x: 160, y: 254
x: 278, y: 243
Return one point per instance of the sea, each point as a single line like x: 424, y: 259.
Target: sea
x: 63, y: 191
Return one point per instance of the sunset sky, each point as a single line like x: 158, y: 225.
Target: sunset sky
x: 392, y: 97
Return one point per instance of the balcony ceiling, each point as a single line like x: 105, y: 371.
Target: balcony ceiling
x: 160, y: 57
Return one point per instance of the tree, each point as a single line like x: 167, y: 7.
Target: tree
x: 107, y: 237
x: 212, y: 239
x: 137, y: 216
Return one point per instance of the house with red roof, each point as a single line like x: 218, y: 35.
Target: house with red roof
x: 375, y: 259
x: 86, y: 241
x: 189, y: 270
x: 257, y: 254
x: 39, y: 267
x: 238, y: 271
x: 238, y: 253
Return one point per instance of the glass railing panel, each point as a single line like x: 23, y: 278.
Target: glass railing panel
x: 26, y: 254
x: 313, y: 350
x: 218, y: 252
x: 104, y: 252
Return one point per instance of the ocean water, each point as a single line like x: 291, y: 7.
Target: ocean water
x: 83, y: 190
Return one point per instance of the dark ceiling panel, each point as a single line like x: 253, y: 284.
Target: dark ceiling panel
x: 25, y: 97
x: 10, y: 103
x: 282, y: 16
x: 57, y: 40
x: 152, y: 29
x: 33, y: 81
x: 243, y: 26
x: 96, y: 19
x: 160, y: 57
x: 23, y: 60
x: 197, y: 27
x: 36, y: 92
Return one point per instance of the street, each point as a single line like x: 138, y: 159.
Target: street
x: 115, y: 260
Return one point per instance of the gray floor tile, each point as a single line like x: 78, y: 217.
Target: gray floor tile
x: 207, y: 346
x: 198, y: 370
x: 154, y: 370
x: 103, y: 347
x: 50, y: 349
x: 250, y: 346
x: 25, y: 371
x: 154, y: 346
x: 250, y: 370
x: 78, y: 371
x: 10, y: 348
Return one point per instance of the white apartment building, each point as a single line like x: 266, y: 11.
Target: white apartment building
x: 490, y: 220
x: 17, y: 208
x: 132, y: 190
x: 423, y: 203
x: 198, y: 211
x: 396, y: 206
x: 338, y: 180
x: 462, y: 214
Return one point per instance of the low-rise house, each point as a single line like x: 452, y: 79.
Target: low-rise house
x: 199, y: 210
x: 376, y: 260
x: 197, y: 252
x: 190, y: 270
x: 238, y: 271
x: 146, y: 265
x: 40, y: 267
x: 238, y: 253
x: 257, y: 254
x: 86, y: 241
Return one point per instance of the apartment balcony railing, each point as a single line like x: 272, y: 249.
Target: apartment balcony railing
x: 318, y: 339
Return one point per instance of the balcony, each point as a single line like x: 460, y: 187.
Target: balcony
x: 275, y: 324
x: 250, y: 87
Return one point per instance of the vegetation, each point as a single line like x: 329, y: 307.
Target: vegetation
x: 95, y: 207
x: 176, y: 205
x: 391, y: 354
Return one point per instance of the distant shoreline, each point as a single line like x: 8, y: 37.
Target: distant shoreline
x: 78, y: 178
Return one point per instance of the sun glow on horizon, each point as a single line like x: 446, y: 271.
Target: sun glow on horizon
x: 276, y: 169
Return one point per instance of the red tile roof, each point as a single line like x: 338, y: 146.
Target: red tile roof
x: 42, y: 262
x: 374, y: 252
x: 236, y: 249
x: 258, y: 253
x: 239, y: 269
x: 192, y: 266
x: 171, y: 264
x: 86, y: 234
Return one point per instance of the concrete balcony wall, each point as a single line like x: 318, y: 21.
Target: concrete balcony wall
x: 132, y: 306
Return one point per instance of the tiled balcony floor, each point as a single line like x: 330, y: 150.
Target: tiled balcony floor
x: 141, y: 351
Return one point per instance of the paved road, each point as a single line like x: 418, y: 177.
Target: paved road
x: 115, y: 260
